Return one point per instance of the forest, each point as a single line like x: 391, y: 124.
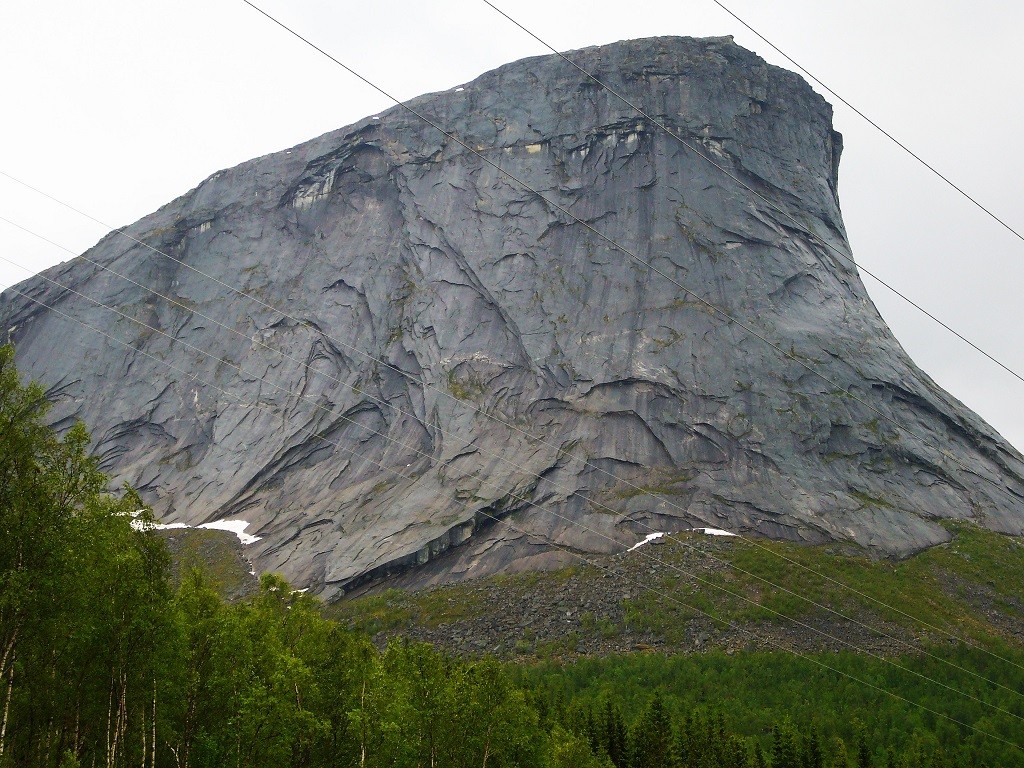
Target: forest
x: 106, y: 661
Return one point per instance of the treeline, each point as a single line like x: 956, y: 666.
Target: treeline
x: 761, y: 694
x: 104, y: 663
x: 703, y: 739
x: 270, y: 682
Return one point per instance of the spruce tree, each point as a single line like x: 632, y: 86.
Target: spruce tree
x: 785, y: 752
x: 813, y: 756
x: 653, y: 745
x: 615, y: 736
x: 863, y: 750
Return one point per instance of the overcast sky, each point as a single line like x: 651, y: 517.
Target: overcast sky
x: 117, y: 107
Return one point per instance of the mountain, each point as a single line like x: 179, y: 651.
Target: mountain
x: 456, y: 349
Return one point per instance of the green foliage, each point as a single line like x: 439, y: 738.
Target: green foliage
x: 571, y: 750
x: 83, y: 593
x: 103, y: 663
x: 950, y: 588
x: 395, y: 609
x: 653, y: 744
x: 471, y: 387
x: 957, y: 588
x: 216, y: 553
x: 772, y: 699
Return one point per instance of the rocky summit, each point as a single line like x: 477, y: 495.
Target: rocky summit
x: 427, y: 368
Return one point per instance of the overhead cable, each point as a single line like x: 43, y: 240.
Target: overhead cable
x: 333, y: 413
x: 802, y: 227
x: 528, y: 502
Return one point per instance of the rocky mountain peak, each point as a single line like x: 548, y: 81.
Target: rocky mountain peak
x: 424, y: 346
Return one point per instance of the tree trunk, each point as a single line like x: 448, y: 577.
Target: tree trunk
x: 122, y: 718
x: 9, y: 650
x: 152, y: 762
x: 7, y: 704
x: 487, y: 745
x: 362, y: 727
x: 49, y: 742
x: 117, y: 721
x: 110, y: 717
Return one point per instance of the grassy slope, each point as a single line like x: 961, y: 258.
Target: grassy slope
x: 218, y: 554
x: 972, y: 587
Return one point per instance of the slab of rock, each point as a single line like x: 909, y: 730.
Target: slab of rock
x: 457, y: 348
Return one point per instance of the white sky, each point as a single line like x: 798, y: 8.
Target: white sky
x: 117, y: 107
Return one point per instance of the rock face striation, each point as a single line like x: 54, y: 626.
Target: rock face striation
x: 434, y: 368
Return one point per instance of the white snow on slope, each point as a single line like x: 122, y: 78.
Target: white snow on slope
x: 647, y: 539
x: 140, y: 525
x: 236, y: 527
x: 706, y: 531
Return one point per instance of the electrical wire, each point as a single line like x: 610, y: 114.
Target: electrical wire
x: 500, y: 420
x: 330, y: 412
x: 715, y: 310
x: 800, y: 226
x: 711, y: 161
x: 660, y: 593
x: 310, y: 371
x: 871, y: 122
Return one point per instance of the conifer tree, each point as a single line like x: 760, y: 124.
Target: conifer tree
x: 759, y: 758
x: 812, y: 754
x: 785, y: 752
x: 863, y: 750
x: 653, y: 744
x: 615, y: 741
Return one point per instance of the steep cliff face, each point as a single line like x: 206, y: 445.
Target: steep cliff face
x: 456, y: 345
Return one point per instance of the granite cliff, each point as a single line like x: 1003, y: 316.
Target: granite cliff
x: 454, y: 346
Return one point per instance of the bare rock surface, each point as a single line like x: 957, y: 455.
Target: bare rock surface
x: 458, y: 350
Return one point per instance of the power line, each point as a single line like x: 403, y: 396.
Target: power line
x: 800, y: 226
x: 875, y: 125
x: 529, y: 502
x: 715, y: 310
x: 310, y: 370
x: 718, y: 311
x: 500, y: 421
x: 426, y: 385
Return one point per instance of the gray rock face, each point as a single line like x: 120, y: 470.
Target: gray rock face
x: 456, y: 348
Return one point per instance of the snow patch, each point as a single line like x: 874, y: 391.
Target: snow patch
x: 145, y: 525
x: 460, y: 88
x: 647, y: 540
x: 658, y: 534
x: 236, y: 527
